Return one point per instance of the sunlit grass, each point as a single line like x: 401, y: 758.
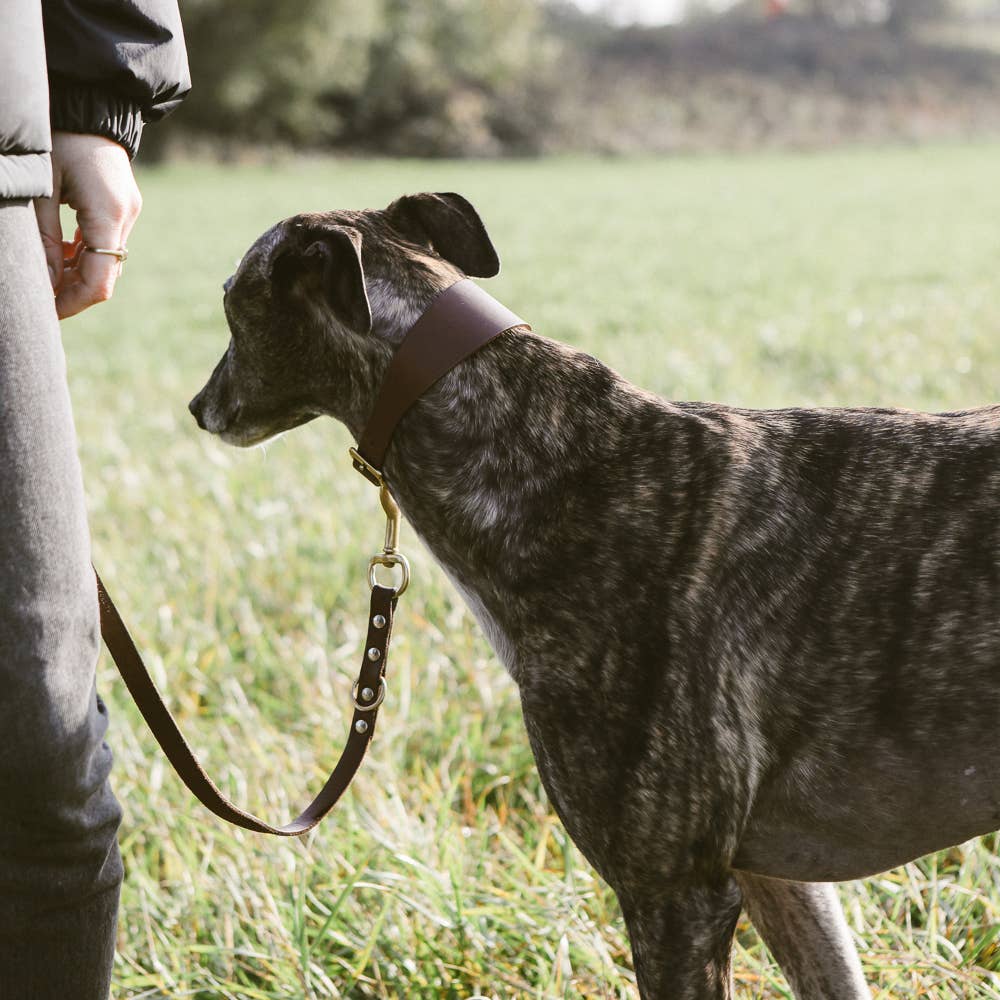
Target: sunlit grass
x: 863, y: 277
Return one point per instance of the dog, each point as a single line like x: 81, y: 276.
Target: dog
x: 757, y: 651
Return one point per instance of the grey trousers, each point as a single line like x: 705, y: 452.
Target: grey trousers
x: 60, y: 870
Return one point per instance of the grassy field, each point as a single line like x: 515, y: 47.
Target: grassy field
x: 857, y: 277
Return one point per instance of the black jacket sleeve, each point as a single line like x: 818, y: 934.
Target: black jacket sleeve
x: 113, y: 64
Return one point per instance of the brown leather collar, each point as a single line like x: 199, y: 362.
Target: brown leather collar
x: 455, y: 325
x: 458, y: 322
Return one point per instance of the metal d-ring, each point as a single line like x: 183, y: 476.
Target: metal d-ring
x: 390, y: 559
x: 368, y: 706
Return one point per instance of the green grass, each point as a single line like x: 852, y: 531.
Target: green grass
x: 860, y: 277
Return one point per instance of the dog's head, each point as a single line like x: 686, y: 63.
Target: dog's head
x: 319, y: 301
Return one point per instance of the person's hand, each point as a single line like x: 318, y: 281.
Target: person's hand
x: 93, y: 176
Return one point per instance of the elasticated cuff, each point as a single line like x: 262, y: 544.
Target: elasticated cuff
x: 78, y: 107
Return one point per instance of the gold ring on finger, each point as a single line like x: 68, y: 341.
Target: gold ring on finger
x: 121, y: 253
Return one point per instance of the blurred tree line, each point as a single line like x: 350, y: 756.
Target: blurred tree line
x: 438, y: 78
x: 501, y: 77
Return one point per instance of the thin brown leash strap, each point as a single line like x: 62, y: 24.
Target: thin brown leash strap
x: 158, y: 718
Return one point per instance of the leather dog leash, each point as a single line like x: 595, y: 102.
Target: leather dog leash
x: 456, y: 324
x: 185, y: 763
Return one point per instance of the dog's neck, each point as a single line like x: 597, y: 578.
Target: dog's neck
x: 497, y: 465
x: 519, y: 469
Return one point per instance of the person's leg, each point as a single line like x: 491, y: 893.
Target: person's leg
x: 60, y: 870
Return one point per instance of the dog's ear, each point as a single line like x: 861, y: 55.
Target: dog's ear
x: 451, y: 226
x: 326, y: 263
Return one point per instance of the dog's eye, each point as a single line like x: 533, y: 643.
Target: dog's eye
x: 227, y: 284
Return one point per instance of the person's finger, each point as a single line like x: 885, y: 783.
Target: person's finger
x: 50, y: 227
x: 72, y: 247
x: 71, y: 255
x: 93, y: 281
x: 96, y: 273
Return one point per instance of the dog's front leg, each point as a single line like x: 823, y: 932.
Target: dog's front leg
x: 682, y: 939
x: 804, y: 926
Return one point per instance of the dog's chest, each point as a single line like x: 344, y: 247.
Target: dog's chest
x: 495, y: 633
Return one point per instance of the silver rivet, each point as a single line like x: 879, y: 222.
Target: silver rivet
x: 379, y: 621
x: 374, y: 653
x: 367, y: 694
x: 361, y: 726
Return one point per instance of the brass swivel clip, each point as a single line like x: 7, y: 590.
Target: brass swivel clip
x: 390, y: 556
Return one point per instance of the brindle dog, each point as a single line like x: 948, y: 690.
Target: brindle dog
x: 757, y: 651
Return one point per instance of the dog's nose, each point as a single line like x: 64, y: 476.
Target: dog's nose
x: 195, y: 407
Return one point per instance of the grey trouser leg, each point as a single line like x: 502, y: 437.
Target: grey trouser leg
x: 60, y: 870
